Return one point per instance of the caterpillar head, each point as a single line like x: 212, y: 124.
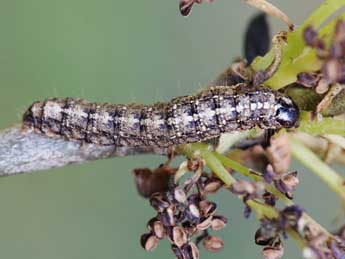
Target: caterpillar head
x: 287, y: 112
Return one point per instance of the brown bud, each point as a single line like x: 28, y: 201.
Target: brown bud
x: 177, y: 236
x: 213, y: 243
x: 207, y: 207
x: 180, y: 195
x: 191, y: 251
x: 149, y: 241
x: 273, y: 252
x: 212, y: 185
x: 158, y: 202
x: 205, y: 223
x: 218, y: 222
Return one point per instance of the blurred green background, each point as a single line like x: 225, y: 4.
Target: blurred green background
x: 117, y: 51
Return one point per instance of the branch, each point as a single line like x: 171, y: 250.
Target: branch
x: 23, y: 152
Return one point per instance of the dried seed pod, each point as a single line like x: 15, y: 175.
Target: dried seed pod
x: 308, y: 79
x: 269, y: 198
x: 191, y: 251
x: 213, y: 243
x: 290, y: 216
x: 267, y: 233
x: 212, y: 185
x: 205, y: 223
x: 193, y: 213
x: 242, y: 187
x: 189, y: 227
x: 290, y: 181
x: 177, y: 236
x: 156, y: 227
x: 247, y: 211
x: 167, y: 217
x: 186, y: 7
x: 218, y: 222
x: 194, y: 198
x: 180, y: 195
x: 279, y: 154
x: 158, y: 202
x: 207, y: 207
x: 323, y: 86
x: 333, y: 70
x: 262, y: 239
x: 149, y: 241
x: 310, y: 36
x: 273, y: 252
x: 178, y: 252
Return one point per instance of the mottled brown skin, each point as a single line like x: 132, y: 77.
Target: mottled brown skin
x: 185, y: 119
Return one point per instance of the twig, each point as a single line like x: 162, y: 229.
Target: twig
x: 23, y: 152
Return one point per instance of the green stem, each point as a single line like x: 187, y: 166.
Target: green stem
x: 322, y: 127
x: 318, y: 167
x: 202, y: 150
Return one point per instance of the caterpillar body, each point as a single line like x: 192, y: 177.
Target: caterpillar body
x: 184, y: 120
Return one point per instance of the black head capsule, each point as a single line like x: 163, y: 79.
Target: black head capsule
x: 287, y: 112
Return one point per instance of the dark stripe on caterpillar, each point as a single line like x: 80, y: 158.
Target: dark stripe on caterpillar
x: 185, y: 119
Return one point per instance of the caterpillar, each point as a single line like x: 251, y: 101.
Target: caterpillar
x: 183, y: 120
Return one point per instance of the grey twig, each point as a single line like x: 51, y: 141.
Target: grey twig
x: 23, y: 152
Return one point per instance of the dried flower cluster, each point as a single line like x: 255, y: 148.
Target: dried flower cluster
x: 331, y: 77
x: 184, y: 213
x: 272, y: 230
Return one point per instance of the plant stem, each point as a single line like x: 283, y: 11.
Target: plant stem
x: 322, y: 127
x: 318, y: 167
